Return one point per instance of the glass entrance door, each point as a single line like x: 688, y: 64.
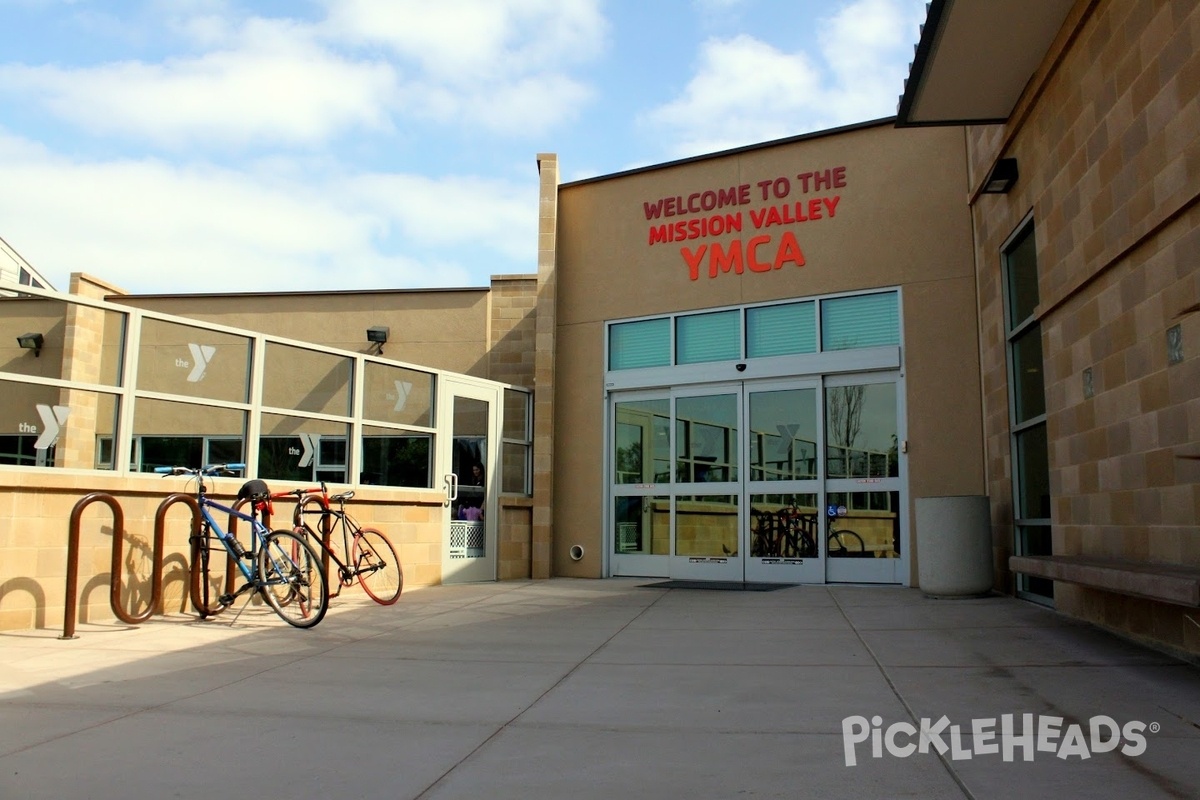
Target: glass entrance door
x: 469, y: 466
x: 782, y: 493
x: 707, y: 502
x: 789, y: 481
x: 865, y: 518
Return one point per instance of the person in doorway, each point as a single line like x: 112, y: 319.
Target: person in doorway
x: 473, y: 495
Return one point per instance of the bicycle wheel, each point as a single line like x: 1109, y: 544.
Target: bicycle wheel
x: 846, y: 544
x: 378, y: 567
x: 291, y: 579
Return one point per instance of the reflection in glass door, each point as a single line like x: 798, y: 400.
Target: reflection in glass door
x: 863, y: 509
x: 707, y: 532
x: 641, y: 507
x: 783, y: 487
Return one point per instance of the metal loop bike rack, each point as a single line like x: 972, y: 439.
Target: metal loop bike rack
x: 71, y: 605
x: 325, y: 530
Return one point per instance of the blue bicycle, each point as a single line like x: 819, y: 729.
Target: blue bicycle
x: 279, y: 565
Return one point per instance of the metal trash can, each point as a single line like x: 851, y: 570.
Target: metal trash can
x: 954, y: 546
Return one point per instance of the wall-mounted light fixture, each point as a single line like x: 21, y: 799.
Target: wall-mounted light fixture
x: 1002, y: 177
x: 31, y: 341
x: 378, y: 335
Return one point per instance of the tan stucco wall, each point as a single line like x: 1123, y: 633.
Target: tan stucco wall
x: 446, y: 329
x: 1106, y: 137
x: 901, y: 219
x: 36, y: 507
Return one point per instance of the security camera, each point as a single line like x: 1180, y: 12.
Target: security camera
x: 741, y: 367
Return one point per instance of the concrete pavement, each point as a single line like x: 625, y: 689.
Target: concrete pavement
x: 580, y: 689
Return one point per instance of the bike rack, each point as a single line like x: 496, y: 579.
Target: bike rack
x: 160, y: 517
x: 325, y: 529
x: 71, y: 605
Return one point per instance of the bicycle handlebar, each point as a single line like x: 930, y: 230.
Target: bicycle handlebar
x: 210, y: 470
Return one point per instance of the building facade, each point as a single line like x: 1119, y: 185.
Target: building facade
x: 749, y: 366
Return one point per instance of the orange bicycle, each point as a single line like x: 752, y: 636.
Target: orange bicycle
x: 369, y: 556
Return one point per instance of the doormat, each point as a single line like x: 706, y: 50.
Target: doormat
x: 726, y: 586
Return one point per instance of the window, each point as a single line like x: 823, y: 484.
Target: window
x: 868, y: 320
x: 764, y: 331
x: 781, y: 330
x: 1027, y: 407
x: 517, y: 443
x: 640, y: 344
x: 708, y: 337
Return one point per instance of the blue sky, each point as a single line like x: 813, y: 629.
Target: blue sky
x: 238, y: 145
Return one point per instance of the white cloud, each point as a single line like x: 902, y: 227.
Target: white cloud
x: 281, y: 90
x: 152, y: 226
x: 745, y: 90
x: 462, y: 41
x: 497, y: 64
x: 371, y: 65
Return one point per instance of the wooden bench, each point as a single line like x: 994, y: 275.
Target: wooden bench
x: 1165, y: 582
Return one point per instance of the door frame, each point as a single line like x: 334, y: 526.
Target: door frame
x: 455, y: 567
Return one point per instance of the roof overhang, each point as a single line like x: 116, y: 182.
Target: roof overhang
x: 975, y: 58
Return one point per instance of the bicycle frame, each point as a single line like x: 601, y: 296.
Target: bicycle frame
x: 257, y: 532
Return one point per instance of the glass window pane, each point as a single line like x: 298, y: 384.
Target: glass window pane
x: 94, y: 336
x: 784, y: 526
x: 395, y: 394
x: 516, y: 415
x: 706, y: 439
x: 781, y: 330
x: 863, y: 525
x: 43, y: 426
x: 708, y: 337
x: 470, y: 456
x: 1028, y: 377
x: 706, y: 525
x: 869, y: 320
x: 1020, y: 263
x: 397, y: 458
x: 306, y: 380
x: 292, y: 448
x: 173, y: 434
x: 1035, y: 540
x: 1033, y: 474
x: 32, y: 315
x: 639, y: 344
x: 515, y: 470
x: 643, y: 442
x: 860, y: 431
x: 643, y: 525
x: 193, y: 361
x: 783, y: 435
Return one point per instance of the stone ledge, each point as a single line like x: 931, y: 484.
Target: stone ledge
x: 1165, y: 582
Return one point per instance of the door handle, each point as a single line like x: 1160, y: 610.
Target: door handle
x: 451, y: 487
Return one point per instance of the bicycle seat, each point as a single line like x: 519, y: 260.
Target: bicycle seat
x: 254, y: 490
x: 341, y: 498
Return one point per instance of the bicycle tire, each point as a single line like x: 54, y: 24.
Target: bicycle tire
x: 383, y: 579
x: 850, y: 544
x: 291, y: 579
